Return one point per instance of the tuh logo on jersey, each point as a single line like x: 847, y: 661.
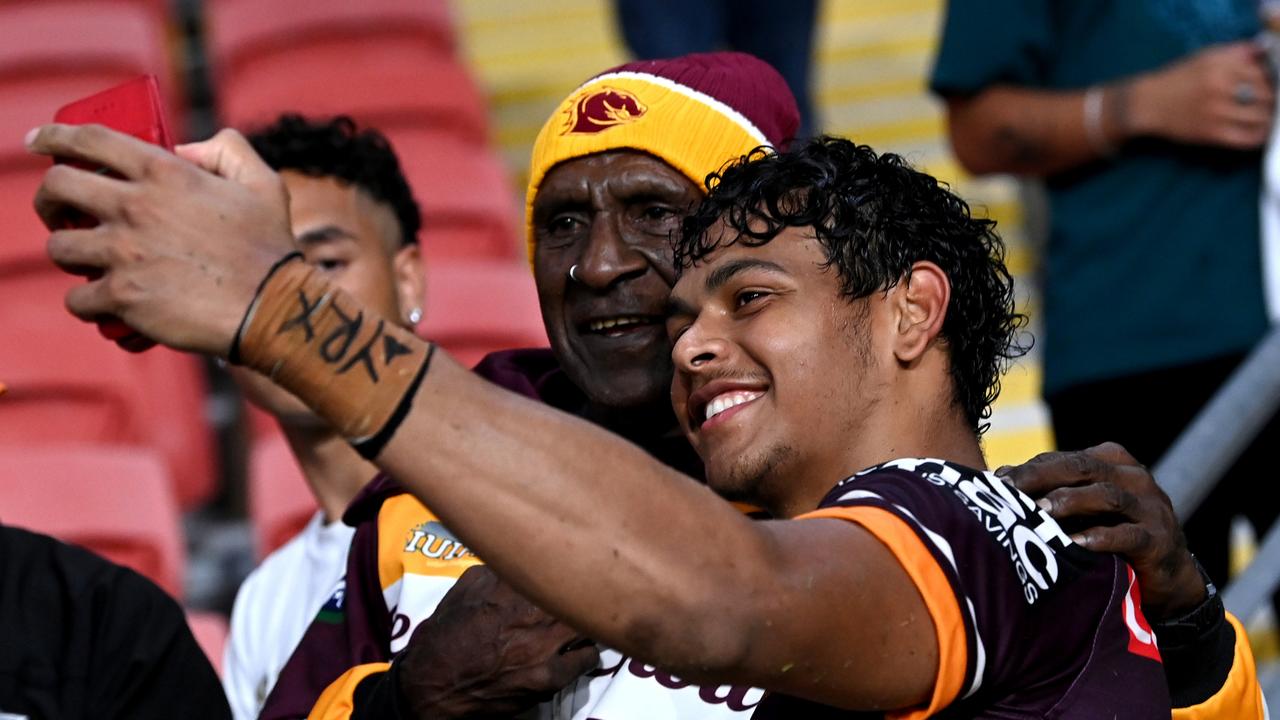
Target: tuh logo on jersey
x: 601, y: 109
x: 434, y: 541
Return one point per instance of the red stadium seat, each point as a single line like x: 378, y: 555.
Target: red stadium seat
x: 159, y: 9
x: 115, y: 501
x: 376, y: 90
x: 22, y: 236
x: 177, y: 388
x: 67, y: 384
x: 244, y: 32
x: 280, y: 501
x: 54, y: 52
x: 67, y: 37
x: 468, y: 206
x: 385, y: 62
x: 72, y: 385
x: 210, y: 630
x: 475, y: 307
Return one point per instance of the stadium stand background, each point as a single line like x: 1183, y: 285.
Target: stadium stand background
x: 872, y: 58
x: 216, y: 477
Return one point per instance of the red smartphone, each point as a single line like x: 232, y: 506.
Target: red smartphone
x: 133, y: 108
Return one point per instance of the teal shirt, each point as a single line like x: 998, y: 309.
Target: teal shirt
x: 1154, y: 256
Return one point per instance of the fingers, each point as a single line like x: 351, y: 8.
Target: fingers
x: 1254, y: 116
x: 1049, y: 471
x: 577, y: 643
x: 65, y: 188
x: 1243, y: 138
x: 1128, y: 540
x: 91, y: 300
x: 228, y: 154
x: 1237, y: 53
x: 81, y: 252
x: 565, y: 667
x: 556, y: 637
x: 1251, y: 65
x: 1099, y: 499
x: 96, y: 145
x: 1113, y: 453
x: 1247, y: 125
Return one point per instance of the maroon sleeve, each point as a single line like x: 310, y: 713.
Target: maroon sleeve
x: 353, y: 628
x: 1051, y: 629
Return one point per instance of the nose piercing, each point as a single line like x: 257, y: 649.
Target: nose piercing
x: 573, y: 273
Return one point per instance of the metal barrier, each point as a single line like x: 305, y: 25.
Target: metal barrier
x: 1211, y: 444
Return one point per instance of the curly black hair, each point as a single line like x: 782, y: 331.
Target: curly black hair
x: 875, y: 217
x: 337, y: 148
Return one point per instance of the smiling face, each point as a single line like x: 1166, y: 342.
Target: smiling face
x: 611, y: 215
x: 776, y: 371
x: 356, y: 241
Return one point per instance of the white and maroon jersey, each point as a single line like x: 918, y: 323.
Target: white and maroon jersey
x: 1029, y: 624
x: 624, y: 688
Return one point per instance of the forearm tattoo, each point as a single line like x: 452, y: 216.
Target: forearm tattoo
x: 336, y: 347
x: 1021, y: 149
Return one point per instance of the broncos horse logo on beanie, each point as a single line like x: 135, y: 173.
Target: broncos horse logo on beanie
x: 601, y: 109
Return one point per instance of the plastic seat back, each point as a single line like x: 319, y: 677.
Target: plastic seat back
x: 115, y: 501
x: 474, y: 308
x: 469, y: 208
x: 280, y: 501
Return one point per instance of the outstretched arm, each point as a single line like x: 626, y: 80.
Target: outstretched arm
x: 1196, y: 100
x: 585, y: 524
x: 655, y: 564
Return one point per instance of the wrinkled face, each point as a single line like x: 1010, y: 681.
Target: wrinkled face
x: 612, y: 215
x: 774, y: 368
x: 355, y: 240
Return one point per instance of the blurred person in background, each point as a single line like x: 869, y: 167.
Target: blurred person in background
x: 1147, y: 121
x: 780, y: 33
x: 354, y: 217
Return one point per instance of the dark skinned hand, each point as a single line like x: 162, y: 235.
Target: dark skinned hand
x: 1108, y: 502
x: 183, y: 239
x: 488, y: 653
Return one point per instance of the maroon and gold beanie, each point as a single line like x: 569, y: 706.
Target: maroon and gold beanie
x: 694, y: 112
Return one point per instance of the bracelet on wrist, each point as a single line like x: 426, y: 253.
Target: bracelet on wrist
x: 357, y: 370
x: 1094, y: 99
x: 1194, y: 624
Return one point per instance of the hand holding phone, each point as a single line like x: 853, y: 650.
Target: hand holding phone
x: 133, y: 108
